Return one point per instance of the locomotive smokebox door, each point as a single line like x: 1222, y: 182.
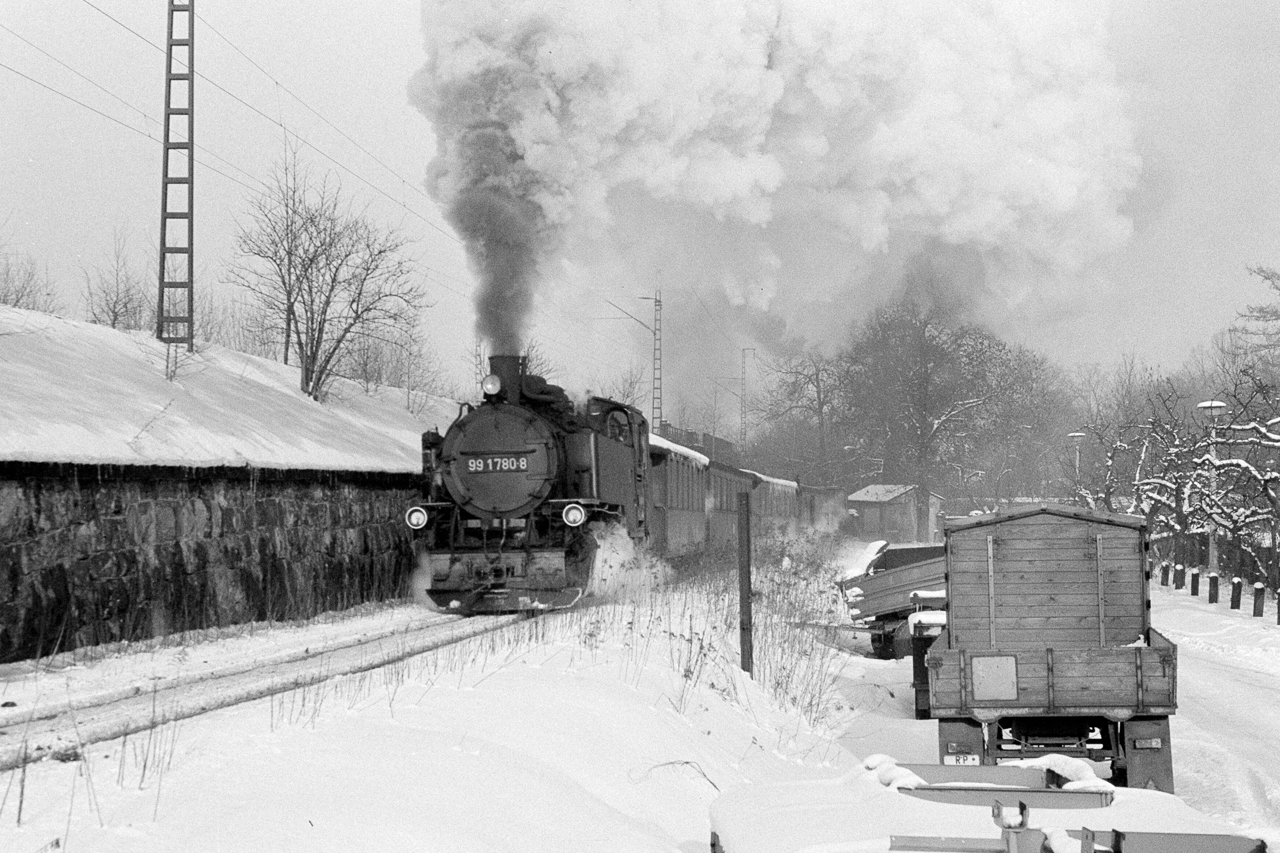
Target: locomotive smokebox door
x: 502, y: 461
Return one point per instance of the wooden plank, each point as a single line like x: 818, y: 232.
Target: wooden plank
x: 1126, y: 548
x: 1047, y: 623
x: 1050, y: 595
x: 1102, y: 607
x: 1049, y: 798
x: 1014, y: 608
x: 1013, y: 777
x: 991, y: 591
x: 1023, y: 531
x: 1047, y: 585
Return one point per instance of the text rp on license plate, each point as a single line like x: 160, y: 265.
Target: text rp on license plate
x: 961, y: 759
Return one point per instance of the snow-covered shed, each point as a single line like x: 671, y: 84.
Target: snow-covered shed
x: 888, y: 511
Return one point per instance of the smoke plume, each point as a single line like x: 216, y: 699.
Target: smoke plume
x: 786, y: 162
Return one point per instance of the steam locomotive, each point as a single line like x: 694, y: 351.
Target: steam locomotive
x: 511, y: 491
x: 512, y: 487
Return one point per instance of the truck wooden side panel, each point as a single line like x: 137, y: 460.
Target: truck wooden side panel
x: 1115, y: 682
x: 889, y: 591
x: 1045, y: 581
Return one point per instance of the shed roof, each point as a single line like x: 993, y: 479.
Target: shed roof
x: 1115, y: 518
x: 884, y: 492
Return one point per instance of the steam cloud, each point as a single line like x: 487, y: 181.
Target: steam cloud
x: 775, y: 148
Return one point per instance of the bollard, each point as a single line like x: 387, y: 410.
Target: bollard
x: 1213, y: 587
x: 1258, y: 591
x: 1164, y: 573
x: 1179, y: 576
x: 1236, y: 585
x: 1195, y: 582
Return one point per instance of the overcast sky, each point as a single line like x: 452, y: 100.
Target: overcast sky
x: 1198, y: 81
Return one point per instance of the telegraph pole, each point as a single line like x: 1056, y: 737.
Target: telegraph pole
x: 175, y: 307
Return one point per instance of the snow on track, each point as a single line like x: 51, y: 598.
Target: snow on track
x: 55, y: 714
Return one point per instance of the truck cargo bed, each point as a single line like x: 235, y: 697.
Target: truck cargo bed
x: 1114, y: 682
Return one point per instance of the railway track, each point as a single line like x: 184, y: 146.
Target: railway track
x: 62, y: 729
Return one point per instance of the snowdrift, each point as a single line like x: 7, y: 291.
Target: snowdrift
x: 75, y: 392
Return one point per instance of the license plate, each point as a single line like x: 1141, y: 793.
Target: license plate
x: 963, y: 760
x: 497, y: 464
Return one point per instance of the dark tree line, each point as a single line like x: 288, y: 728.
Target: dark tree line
x: 915, y: 398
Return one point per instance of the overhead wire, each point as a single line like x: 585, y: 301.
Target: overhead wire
x: 125, y: 125
x: 130, y: 105
x: 403, y: 180
x: 280, y: 124
x: 84, y: 77
x: 559, y: 318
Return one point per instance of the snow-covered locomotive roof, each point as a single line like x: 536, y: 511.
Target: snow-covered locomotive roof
x: 661, y: 443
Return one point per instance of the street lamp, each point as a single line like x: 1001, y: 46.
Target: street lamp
x: 1077, y: 438
x: 1213, y: 409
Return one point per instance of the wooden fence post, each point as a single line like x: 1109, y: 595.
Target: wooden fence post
x: 1195, y: 581
x: 1236, y: 585
x: 1213, y: 587
x: 1259, y: 592
x: 744, y: 581
x: 1179, y: 576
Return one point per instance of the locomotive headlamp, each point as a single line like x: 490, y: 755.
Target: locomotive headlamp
x: 416, y: 517
x: 491, y: 384
x: 574, y: 515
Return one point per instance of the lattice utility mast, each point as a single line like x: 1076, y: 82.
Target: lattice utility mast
x: 175, y: 308
x: 742, y: 399
x: 481, y: 373
x: 655, y: 422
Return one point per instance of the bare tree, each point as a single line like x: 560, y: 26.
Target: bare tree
x: 626, y: 386
x: 24, y: 285
x: 536, y: 360
x: 327, y: 276
x: 400, y: 360
x: 800, y: 413
x: 114, y: 292
x: 236, y: 323
x: 1262, y: 321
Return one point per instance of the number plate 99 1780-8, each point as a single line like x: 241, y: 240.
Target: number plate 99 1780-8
x: 497, y: 464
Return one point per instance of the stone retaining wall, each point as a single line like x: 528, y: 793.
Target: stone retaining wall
x: 93, y: 554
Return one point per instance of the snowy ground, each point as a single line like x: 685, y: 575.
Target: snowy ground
x: 613, y: 727
x: 78, y: 392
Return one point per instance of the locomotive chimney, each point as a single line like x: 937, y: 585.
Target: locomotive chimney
x: 509, y: 369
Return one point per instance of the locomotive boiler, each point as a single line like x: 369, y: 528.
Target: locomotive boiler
x: 511, y: 490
